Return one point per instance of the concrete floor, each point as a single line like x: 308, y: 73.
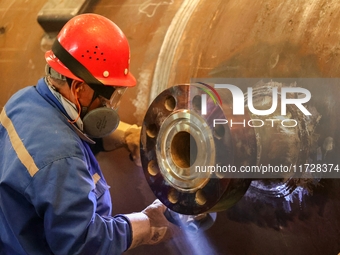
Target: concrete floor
x: 172, y: 41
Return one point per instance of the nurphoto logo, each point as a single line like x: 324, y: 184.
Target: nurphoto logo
x: 239, y: 103
x: 238, y: 99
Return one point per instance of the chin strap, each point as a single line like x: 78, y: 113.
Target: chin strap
x: 79, y: 110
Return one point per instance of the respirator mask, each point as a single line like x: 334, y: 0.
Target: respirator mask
x: 103, y: 120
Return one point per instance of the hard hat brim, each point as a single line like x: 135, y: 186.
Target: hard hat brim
x: 128, y: 81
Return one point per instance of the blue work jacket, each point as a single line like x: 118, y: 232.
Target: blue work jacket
x: 53, y: 196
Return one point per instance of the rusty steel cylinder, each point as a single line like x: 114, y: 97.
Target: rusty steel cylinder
x: 183, y: 136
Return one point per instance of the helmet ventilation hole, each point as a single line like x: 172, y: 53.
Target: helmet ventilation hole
x: 91, y: 56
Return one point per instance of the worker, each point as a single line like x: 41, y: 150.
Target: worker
x: 53, y: 196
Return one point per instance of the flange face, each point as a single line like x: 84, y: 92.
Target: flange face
x: 177, y: 141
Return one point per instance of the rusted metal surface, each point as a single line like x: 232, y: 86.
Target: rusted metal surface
x: 261, y: 38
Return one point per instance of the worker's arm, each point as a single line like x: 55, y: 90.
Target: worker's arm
x: 76, y: 208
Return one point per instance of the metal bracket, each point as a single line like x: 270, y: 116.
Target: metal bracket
x: 55, y: 13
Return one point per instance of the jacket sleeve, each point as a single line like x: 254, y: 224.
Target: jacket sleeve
x: 64, y: 196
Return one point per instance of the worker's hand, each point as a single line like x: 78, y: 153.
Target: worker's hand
x: 132, y: 141
x: 127, y: 136
x: 161, y: 228
x: 150, y: 226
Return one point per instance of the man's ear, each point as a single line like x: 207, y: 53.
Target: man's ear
x: 77, y: 86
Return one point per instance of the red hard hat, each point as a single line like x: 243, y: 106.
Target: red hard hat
x: 97, y: 44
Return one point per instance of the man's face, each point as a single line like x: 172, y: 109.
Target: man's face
x: 86, y: 97
x: 89, y: 98
x: 94, y: 108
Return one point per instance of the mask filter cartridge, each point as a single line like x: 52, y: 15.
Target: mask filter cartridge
x: 100, y: 122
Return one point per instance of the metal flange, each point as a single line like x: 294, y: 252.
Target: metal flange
x: 176, y: 140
